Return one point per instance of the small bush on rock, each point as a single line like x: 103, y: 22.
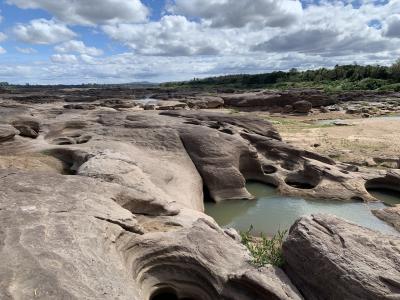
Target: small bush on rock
x: 265, y: 250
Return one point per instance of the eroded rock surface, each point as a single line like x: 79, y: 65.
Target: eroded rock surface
x: 390, y: 215
x: 7, y: 132
x: 107, y: 204
x: 329, y: 258
x: 67, y: 237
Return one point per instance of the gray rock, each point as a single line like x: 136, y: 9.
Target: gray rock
x: 7, y: 132
x: 287, y: 109
x: 330, y: 258
x: 171, y: 105
x: 324, y: 110
x: 60, y: 233
x: 205, y: 102
x: 390, y: 215
x: 28, y: 127
x: 353, y: 110
x: 83, y: 106
x: 57, y: 234
x: 303, y: 107
x: 150, y: 106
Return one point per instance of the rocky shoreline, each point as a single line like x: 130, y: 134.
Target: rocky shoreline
x: 102, y: 198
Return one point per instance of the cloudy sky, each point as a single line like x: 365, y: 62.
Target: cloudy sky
x: 114, y: 41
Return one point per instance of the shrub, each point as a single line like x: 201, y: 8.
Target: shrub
x: 391, y: 87
x: 265, y: 250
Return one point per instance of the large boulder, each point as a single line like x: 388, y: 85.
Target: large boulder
x: 390, y: 215
x: 330, y: 258
x: 28, y: 127
x: 67, y: 237
x: 56, y: 238
x: 7, y: 132
x: 303, y: 107
x: 171, y: 105
x: 117, y: 103
x: 206, y: 102
x: 268, y: 99
x: 83, y: 106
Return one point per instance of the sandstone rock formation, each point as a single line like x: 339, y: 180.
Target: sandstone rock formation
x: 7, y: 132
x: 65, y: 237
x: 205, y: 102
x: 28, y: 127
x: 390, y: 215
x: 108, y: 204
x: 303, y: 106
x: 268, y: 99
x: 329, y: 258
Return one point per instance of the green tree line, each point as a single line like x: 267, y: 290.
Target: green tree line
x: 347, y: 77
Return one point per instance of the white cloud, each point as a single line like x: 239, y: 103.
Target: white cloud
x: 207, y: 38
x: 42, y: 31
x: 89, y: 12
x: 234, y: 13
x: 333, y: 29
x: 78, y: 47
x: 2, y: 36
x: 88, y: 59
x: 171, y: 36
x: 26, y: 50
x: 64, y: 58
x: 128, y: 67
x: 393, y: 26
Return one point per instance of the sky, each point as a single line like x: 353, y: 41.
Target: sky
x: 120, y: 41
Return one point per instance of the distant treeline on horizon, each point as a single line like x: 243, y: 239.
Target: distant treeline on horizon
x: 346, y: 77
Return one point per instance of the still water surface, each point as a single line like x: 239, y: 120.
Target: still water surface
x: 271, y: 212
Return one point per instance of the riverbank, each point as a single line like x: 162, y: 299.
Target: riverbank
x: 372, y: 142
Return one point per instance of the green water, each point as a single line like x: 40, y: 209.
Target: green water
x: 271, y: 212
x: 390, y: 197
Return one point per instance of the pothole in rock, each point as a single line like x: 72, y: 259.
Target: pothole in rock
x: 207, y: 195
x: 167, y: 294
x: 268, y: 169
x: 305, y: 179
x: 385, y: 190
x: 289, y: 165
x: 270, y: 212
x: 71, y: 159
x: 32, y: 162
x: 178, y: 280
x: 72, y: 139
x: 227, y: 131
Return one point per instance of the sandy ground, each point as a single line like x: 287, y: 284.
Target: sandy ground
x: 370, y: 142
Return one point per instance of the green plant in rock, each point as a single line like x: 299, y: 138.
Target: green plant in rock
x: 265, y: 250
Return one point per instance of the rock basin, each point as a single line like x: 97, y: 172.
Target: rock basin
x: 271, y: 212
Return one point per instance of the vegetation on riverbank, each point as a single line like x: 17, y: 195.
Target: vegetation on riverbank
x: 339, y: 78
x: 265, y: 250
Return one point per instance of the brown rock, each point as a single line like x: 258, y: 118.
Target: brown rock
x: 330, y: 258
x: 303, y: 107
x: 7, y: 132
x: 27, y: 127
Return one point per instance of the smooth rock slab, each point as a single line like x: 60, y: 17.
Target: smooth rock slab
x: 56, y: 238
x: 390, y: 215
x: 330, y: 258
x: 7, y: 132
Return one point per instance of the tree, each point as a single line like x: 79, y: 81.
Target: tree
x: 395, y: 71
